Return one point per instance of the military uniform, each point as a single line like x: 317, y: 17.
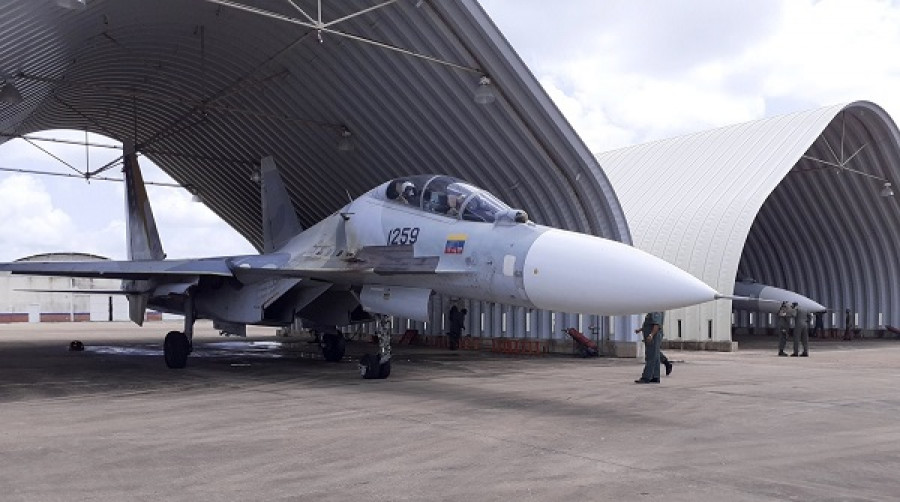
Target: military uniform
x: 801, y: 332
x: 651, y: 347
x: 784, y: 325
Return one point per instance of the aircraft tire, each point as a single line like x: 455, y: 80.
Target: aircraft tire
x: 369, y: 367
x: 176, y: 349
x: 334, y: 346
x: 384, y: 370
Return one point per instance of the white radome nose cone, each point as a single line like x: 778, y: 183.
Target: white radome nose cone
x: 777, y: 294
x: 572, y: 272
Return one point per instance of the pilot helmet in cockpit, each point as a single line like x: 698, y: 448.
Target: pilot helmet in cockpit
x: 407, y: 191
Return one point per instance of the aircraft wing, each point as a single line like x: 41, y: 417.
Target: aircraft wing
x: 143, y: 269
x: 85, y: 291
x: 378, y: 260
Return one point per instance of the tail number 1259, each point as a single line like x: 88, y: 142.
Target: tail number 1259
x: 402, y: 236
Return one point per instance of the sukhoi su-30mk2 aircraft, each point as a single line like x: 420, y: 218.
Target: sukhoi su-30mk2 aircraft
x: 384, y: 254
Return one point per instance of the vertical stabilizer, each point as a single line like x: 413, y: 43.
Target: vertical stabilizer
x: 140, y: 229
x: 143, y: 238
x: 279, y: 219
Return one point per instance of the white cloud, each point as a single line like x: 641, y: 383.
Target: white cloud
x: 627, y: 72
x: 190, y: 229
x: 31, y: 223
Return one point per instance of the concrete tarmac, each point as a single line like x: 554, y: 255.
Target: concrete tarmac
x: 258, y: 421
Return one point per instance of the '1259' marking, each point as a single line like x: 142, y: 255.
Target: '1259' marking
x: 403, y: 236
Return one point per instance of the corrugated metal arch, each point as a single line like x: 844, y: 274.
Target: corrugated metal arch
x: 746, y: 198
x: 207, y: 90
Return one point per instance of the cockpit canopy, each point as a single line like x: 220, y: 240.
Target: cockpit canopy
x: 450, y: 197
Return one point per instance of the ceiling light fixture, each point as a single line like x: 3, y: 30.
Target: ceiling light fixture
x: 484, y: 95
x: 195, y: 195
x: 345, y: 144
x: 72, y: 4
x: 886, y: 190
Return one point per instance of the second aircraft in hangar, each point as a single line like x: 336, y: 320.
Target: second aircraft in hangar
x: 384, y: 254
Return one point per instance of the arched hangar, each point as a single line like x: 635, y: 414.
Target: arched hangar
x: 344, y: 94
x: 802, y: 202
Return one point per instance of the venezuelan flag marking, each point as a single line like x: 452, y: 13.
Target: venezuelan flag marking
x: 455, y: 244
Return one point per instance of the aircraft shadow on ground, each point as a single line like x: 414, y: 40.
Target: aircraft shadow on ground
x: 49, y: 371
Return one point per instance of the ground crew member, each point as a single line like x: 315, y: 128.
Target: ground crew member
x: 801, y: 331
x: 819, y: 325
x: 652, y: 333
x: 848, y: 325
x: 456, y: 320
x: 784, y: 324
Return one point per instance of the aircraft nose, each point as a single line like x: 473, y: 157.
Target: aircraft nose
x: 572, y: 272
x: 808, y: 305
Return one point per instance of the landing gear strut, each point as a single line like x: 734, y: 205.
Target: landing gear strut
x: 178, y: 345
x: 372, y: 366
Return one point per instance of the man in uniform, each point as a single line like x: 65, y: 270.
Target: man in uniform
x: 456, y: 319
x: 801, y: 331
x: 784, y: 325
x: 652, y: 333
x: 848, y: 325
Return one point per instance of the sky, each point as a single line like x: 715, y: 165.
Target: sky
x: 623, y: 72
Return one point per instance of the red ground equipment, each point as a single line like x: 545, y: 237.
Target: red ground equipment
x: 586, y: 347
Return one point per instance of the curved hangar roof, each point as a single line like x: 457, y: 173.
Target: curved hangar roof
x: 207, y: 88
x: 792, y: 201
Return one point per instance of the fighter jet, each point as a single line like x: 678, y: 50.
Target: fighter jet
x: 383, y: 254
x: 753, y: 296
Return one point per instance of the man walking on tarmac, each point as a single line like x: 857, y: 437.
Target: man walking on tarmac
x: 652, y: 333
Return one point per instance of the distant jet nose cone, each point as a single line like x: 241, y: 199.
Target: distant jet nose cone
x: 572, y: 272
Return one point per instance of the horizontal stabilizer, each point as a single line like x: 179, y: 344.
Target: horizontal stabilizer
x: 145, y: 269
x: 83, y: 291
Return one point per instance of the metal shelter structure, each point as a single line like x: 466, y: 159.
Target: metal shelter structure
x: 344, y: 94
x: 377, y: 90
x: 801, y: 201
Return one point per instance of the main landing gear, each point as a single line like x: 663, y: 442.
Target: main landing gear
x: 176, y: 349
x: 178, y: 345
x: 333, y: 346
x: 372, y: 366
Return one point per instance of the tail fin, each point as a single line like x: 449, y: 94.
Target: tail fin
x: 280, y: 223
x: 143, y: 238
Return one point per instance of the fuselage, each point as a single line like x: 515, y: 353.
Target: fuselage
x: 496, y: 255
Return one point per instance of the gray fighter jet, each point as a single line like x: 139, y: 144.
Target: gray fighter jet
x: 754, y: 296
x: 384, y: 254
